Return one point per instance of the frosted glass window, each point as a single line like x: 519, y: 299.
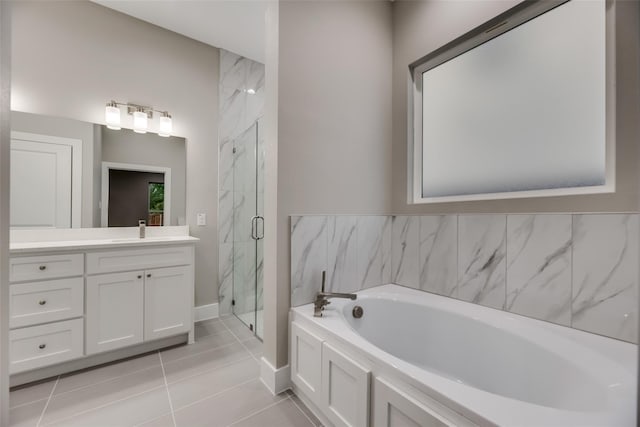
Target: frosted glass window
x: 523, y: 111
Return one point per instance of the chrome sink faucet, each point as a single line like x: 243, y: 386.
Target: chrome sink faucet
x: 141, y: 227
x: 322, y: 298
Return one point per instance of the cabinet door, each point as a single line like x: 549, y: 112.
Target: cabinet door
x: 306, y: 362
x: 345, y: 389
x: 114, y: 311
x: 167, y: 302
x: 394, y: 408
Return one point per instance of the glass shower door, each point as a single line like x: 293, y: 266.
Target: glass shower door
x: 248, y: 232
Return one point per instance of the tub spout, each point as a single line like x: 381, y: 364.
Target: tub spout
x: 322, y: 298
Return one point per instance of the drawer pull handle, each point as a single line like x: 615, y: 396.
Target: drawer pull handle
x: 42, y: 346
x: 42, y: 267
x: 42, y: 302
x: 139, y: 276
x: 148, y: 275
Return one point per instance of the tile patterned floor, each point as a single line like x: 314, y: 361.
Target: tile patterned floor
x: 214, y: 382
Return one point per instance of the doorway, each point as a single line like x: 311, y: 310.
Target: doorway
x: 131, y: 193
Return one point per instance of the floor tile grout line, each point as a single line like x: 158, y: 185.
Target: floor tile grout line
x: 303, y: 413
x: 203, y: 351
x: 195, y: 402
x: 152, y: 419
x: 238, y: 339
x: 246, y: 417
x: 104, y: 405
x: 31, y: 402
x: 166, y: 386
x: 197, y: 374
x: 134, y: 371
x: 46, y: 405
x: 137, y: 371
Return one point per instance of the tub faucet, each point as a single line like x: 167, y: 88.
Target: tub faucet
x: 322, y: 298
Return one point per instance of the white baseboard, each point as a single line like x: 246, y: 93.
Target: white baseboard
x: 206, y: 312
x: 276, y: 380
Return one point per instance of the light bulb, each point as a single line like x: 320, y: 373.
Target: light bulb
x: 140, y: 121
x: 112, y: 116
x: 166, y: 125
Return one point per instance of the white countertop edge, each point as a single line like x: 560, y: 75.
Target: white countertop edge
x: 68, y: 245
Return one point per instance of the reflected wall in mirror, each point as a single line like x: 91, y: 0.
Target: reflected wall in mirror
x: 59, y: 167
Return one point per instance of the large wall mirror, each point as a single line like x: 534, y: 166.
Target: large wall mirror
x: 69, y: 174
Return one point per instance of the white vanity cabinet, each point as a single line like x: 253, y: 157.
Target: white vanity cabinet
x: 46, y: 305
x: 97, y: 304
x: 114, y: 311
x: 129, y: 307
x: 167, y: 308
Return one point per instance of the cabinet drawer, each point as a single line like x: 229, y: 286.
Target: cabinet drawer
x: 45, y: 267
x: 43, y: 345
x: 138, y: 259
x: 40, y: 302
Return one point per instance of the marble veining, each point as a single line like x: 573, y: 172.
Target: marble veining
x: 481, y: 259
x: 539, y: 266
x: 342, y: 254
x: 569, y: 269
x: 225, y: 278
x: 404, y: 250
x: 373, y: 251
x: 225, y: 217
x: 438, y: 254
x: 308, y: 257
x: 239, y: 111
x: 605, y: 275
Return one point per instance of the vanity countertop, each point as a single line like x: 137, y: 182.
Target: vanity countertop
x: 104, y: 243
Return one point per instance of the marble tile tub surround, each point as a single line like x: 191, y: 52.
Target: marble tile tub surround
x: 241, y: 105
x: 577, y: 270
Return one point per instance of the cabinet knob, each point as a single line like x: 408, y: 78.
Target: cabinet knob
x: 149, y: 275
x: 42, y: 302
x: 42, y: 346
x: 140, y: 276
x: 42, y: 267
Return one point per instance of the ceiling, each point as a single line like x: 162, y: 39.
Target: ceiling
x: 234, y: 25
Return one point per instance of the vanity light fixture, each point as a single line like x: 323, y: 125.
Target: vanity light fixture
x: 166, y: 126
x: 141, y: 116
x: 112, y: 116
x: 140, y: 121
x: 251, y: 91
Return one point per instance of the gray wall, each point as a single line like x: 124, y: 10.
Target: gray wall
x: 419, y: 27
x: 126, y: 146
x: 83, y: 55
x: 333, y: 129
x: 66, y: 128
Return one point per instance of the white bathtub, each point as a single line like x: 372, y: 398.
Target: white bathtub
x: 490, y: 366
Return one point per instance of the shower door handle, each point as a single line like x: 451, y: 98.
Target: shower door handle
x: 254, y: 224
x: 254, y: 227
x: 261, y: 235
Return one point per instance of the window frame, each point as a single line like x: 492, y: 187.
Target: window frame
x: 502, y: 23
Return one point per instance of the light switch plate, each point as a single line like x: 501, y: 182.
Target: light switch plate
x: 202, y: 219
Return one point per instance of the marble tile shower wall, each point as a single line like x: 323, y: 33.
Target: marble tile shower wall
x: 577, y: 270
x: 239, y: 109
